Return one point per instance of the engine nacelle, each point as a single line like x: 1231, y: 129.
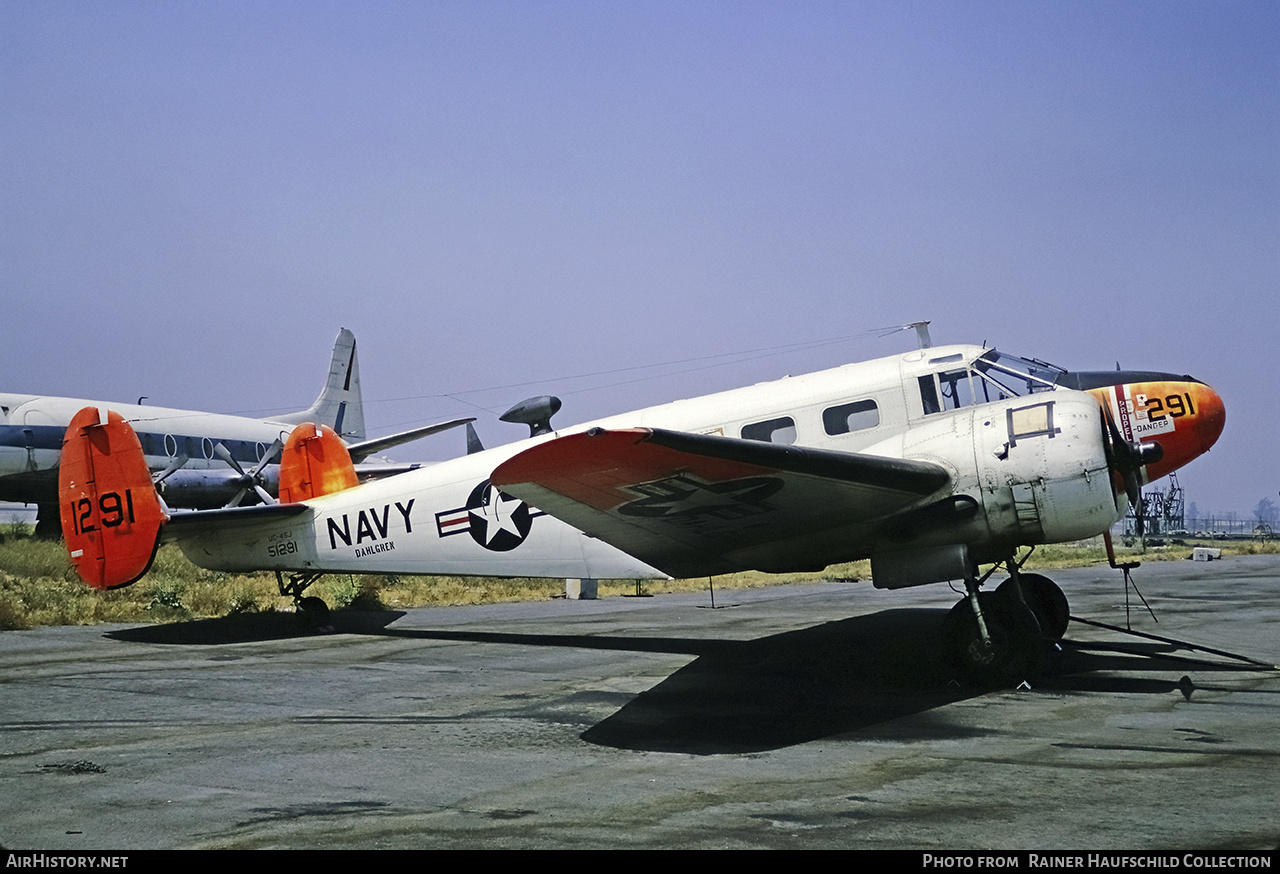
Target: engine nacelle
x: 211, y: 489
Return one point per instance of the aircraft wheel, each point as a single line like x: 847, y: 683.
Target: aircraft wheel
x: 1045, y: 599
x: 314, y: 612
x: 1016, y: 651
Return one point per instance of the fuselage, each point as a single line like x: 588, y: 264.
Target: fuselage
x: 32, y: 428
x: 1027, y: 461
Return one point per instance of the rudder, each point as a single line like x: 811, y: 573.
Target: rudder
x: 314, y: 462
x: 111, y: 514
x: 340, y: 404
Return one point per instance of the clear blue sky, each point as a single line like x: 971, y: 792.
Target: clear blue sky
x: 195, y: 197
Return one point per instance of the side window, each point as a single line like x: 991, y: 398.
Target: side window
x: 781, y: 430
x: 929, y: 395
x: 957, y: 390
x: 857, y: 416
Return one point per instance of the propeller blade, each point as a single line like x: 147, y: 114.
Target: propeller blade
x: 252, y: 479
x: 269, y: 457
x: 1126, y: 458
x: 222, y: 453
x: 175, y: 464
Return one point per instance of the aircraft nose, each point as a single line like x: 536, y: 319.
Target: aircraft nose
x: 1211, y: 416
x: 1184, y: 417
x: 1180, y: 415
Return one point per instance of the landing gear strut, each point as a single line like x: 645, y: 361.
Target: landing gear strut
x: 313, y: 611
x: 1006, y: 635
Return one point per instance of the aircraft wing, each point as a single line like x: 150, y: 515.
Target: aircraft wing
x: 362, y: 450
x: 693, y: 505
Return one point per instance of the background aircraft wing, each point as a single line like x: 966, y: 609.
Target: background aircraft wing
x: 692, y: 505
x: 362, y: 450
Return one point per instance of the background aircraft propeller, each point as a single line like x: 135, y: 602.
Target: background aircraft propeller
x: 175, y: 464
x: 253, y: 479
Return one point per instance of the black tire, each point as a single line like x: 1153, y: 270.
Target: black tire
x: 314, y: 612
x: 1017, y: 651
x: 1045, y: 600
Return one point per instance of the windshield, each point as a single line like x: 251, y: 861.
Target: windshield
x: 994, y: 376
x: 1011, y: 376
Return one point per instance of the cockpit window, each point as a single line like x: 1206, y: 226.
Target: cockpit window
x: 994, y: 376
x: 1016, y: 377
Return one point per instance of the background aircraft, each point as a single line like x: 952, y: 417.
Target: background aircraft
x: 201, y: 460
x: 930, y: 464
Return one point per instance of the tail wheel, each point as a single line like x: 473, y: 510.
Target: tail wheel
x: 314, y: 612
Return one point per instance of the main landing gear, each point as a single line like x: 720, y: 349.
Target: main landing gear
x: 1006, y: 635
x: 312, y: 611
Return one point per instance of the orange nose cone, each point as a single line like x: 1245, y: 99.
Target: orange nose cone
x: 1212, y: 416
x: 1184, y: 418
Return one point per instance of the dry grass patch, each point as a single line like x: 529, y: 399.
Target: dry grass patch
x: 38, y: 586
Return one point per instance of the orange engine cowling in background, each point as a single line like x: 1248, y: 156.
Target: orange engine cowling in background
x: 111, y: 515
x: 314, y: 462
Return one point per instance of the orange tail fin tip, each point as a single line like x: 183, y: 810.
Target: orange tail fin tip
x: 111, y: 514
x: 314, y: 462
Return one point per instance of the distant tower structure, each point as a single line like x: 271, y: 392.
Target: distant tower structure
x: 1162, y: 511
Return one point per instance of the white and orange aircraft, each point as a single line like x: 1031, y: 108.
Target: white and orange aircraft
x: 929, y: 463
x: 199, y: 459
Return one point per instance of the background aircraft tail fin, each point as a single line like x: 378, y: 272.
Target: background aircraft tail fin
x: 111, y: 514
x: 340, y: 405
x: 314, y: 462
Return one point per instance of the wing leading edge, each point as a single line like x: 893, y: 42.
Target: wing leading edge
x: 693, y: 505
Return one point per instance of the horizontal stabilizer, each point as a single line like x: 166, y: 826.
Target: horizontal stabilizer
x: 693, y: 504
x: 204, y: 521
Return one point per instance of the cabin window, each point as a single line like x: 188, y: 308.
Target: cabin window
x: 206, y: 446
x: 781, y: 430
x: 170, y: 446
x: 846, y: 418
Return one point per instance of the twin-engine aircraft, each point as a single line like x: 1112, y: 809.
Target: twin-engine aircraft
x: 929, y: 463
x: 199, y: 459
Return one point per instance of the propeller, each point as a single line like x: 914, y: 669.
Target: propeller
x: 1126, y: 458
x: 253, y: 479
x: 175, y: 464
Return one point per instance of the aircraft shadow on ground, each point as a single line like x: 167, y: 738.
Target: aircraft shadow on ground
x: 776, y: 691
x: 255, y: 628
x: 831, y: 679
